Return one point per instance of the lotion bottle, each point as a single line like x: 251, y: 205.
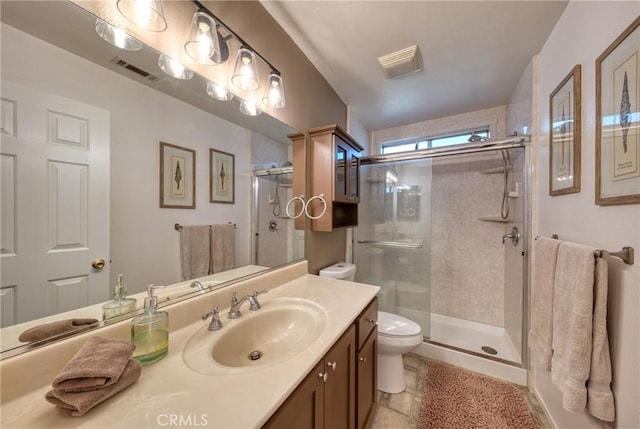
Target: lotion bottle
x: 120, y: 304
x: 150, y: 331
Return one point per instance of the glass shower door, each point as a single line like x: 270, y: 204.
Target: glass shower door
x: 391, y: 242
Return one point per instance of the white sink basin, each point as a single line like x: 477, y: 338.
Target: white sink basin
x: 281, y: 329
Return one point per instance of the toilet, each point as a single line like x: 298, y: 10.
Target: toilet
x: 396, y: 335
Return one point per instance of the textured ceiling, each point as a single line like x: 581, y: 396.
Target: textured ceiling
x: 474, y: 52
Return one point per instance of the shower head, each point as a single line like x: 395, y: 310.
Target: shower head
x: 476, y: 138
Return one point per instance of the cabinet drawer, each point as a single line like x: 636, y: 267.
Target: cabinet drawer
x: 366, y: 322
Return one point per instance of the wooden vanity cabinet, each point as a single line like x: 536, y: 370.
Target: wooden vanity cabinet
x: 335, y: 174
x: 340, y: 392
x: 367, y: 365
x: 326, y: 397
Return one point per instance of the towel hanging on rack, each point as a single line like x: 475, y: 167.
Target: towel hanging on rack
x: 195, y: 251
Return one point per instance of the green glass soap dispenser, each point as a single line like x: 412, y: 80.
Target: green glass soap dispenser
x: 120, y: 304
x: 150, y: 331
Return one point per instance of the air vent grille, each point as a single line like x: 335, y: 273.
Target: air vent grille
x: 137, y: 70
x: 401, y: 63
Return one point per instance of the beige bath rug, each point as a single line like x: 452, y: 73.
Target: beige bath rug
x: 455, y: 398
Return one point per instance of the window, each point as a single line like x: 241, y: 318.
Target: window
x: 427, y: 143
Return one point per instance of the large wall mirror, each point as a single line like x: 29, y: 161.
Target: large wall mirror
x: 82, y: 127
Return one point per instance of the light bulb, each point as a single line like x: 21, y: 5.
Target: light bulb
x: 219, y: 92
x: 174, y: 68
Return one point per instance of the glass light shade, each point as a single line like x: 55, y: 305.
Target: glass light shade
x: 249, y: 109
x: 174, y: 68
x: 116, y: 36
x: 147, y: 14
x: 203, y: 44
x: 219, y: 92
x: 245, y: 73
x: 274, y: 92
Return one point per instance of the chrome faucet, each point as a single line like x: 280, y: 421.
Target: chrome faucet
x: 514, y: 236
x: 199, y: 285
x: 234, y: 311
x: 215, y: 324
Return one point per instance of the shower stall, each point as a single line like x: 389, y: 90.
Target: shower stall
x: 275, y: 240
x: 443, y: 233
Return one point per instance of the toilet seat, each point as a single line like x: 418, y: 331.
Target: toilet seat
x: 393, y: 325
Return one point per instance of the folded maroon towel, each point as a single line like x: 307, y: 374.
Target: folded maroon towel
x: 76, y: 404
x: 99, y: 363
x: 48, y: 330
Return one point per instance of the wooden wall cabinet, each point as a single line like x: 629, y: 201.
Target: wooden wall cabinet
x: 340, y: 391
x: 335, y: 174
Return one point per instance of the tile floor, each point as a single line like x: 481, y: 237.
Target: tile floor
x: 402, y: 410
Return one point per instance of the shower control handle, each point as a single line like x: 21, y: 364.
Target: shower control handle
x: 514, y: 236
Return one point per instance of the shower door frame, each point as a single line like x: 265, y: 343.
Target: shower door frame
x: 469, y: 148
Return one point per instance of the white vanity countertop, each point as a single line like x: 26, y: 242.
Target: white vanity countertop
x: 169, y: 391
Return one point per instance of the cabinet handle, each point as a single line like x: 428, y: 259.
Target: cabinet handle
x: 371, y: 321
x: 332, y: 365
x: 324, y: 376
x: 363, y: 359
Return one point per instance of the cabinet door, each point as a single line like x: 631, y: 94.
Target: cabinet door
x: 340, y: 387
x: 366, y: 379
x: 304, y: 408
x: 353, y: 175
x: 341, y: 164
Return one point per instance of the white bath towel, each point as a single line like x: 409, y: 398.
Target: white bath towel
x: 195, y: 251
x: 544, y: 267
x: 574, y: 336
x: 223, y: 248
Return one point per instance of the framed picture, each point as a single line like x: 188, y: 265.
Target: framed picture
x: 564, y: 135
x: 222, y: 181
x: 177, y: 177
x: 618, y: 120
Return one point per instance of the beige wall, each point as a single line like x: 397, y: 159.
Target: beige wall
x: 583, y: 32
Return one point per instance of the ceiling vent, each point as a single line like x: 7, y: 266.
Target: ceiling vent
x: 137, y: 70
x: 401, y: 63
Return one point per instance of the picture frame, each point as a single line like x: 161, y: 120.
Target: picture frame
x: 565, y: 135
x: 177, y: 177
x: 618, y: 120
x: 222, y: 180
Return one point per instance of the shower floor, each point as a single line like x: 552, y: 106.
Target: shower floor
x: 471, y: 336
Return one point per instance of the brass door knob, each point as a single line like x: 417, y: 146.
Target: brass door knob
x: 98, y: 264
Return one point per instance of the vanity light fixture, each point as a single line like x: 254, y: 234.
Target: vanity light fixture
x: 249, y: 108
x: 146, y: 14
x: 274, y: 91
x: 245, y: 72
x: 116, y: 36
x: 219, y: 92
x: 203, y: 43
x: 174, y: 68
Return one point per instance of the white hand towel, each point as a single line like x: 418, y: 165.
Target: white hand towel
x: 580, y: 344
x: 196, y: 250
x: 223, y: 248
x: 544, y: 266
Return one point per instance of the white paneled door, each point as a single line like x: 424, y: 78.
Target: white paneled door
x: 54, y: 174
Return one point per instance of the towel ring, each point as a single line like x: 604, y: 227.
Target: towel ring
x: 293, y: 200
x: 324, y: 209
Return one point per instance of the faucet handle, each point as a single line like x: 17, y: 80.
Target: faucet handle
x: 216, y: 323
x: 253, y: 299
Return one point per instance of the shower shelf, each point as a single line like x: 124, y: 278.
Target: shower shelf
x: 495, y: 170
x: 496, y: 219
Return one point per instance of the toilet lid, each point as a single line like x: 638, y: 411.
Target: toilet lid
x: 395, y: 325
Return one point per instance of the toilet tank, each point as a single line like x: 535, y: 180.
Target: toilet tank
x: 341, y: 270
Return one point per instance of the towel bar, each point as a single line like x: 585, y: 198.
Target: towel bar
x: 626, y: 254
x: 178, y: 227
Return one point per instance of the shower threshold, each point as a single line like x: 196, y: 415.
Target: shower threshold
x: 473, y: 337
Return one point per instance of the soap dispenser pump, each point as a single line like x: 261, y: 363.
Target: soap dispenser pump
x: 120, y: 304
x: 150, y: 331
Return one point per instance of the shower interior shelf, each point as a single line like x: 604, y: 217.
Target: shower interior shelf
x: 497, y: 219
